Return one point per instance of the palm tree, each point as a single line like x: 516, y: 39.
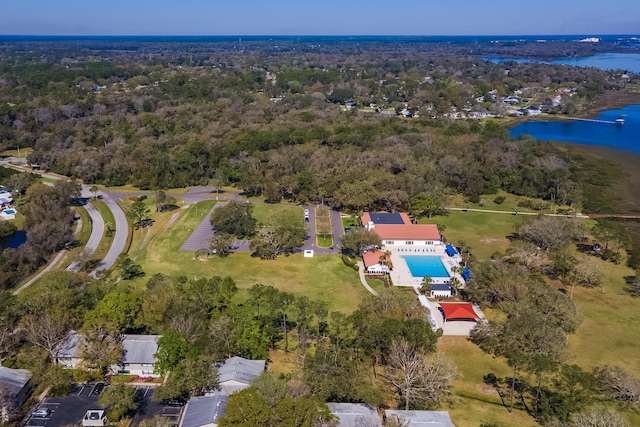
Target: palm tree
x: 455, y: 284
x: 385, y: 259
x: 426, y: 285
x: 94, y: 190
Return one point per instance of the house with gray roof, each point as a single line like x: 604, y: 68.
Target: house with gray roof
x: 17, y: 384
x: 421, y: 418
x: 67, y: 353
x: 355, y: 415
x: 204, y: 411
x: 236, y: 374
x: 138, y: 355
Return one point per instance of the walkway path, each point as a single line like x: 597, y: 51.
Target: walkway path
x: 363, y: 279
x: 577, y: 215
x: 54, y: 262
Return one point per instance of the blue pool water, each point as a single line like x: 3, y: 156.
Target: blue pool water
x: 422, y: 266
x: 591, y: 133
x: 9, y: 211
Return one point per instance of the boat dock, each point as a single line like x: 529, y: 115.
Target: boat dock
x: 608, y: 122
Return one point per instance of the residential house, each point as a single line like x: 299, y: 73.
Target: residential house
x: 138, y: 355
x: 396, y: 229
x: 421, y: 418
x: 68, y: 354
x: 355, y: 415
x: 236, y: 374
x: 376, y: 262
x: 204, y: 411
x: 16, y: 384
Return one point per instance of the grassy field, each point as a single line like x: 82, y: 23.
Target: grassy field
x: 509, y: 203
x: 320, y: 278
x: 263, y: 211
x: 610, y: 331
x: 474, y: 403
x: 23, y: 152
x: 486, y: 233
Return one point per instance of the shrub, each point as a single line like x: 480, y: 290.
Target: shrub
x: 348, y: 261
x: 499, y: 200
x: 356, y: 267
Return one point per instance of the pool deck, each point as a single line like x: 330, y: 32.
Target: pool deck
x: 401, y: 275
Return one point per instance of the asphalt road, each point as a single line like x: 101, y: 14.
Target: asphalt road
x: 97, y: 227
x: 120, y: 236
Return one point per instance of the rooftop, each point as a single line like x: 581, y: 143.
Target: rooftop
x: 407, y: 231
x: 354, y: 415
x: 372, y: 257
x: 240, y: 370
x: 422, y: 418
x: 204, y: 410
x: 14, y: 379
x: 385, y: 218
x: 139, y: 348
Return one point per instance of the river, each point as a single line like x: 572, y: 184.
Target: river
x: 625, y: 136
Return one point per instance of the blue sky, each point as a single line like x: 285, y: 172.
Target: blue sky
x: 320, y: 17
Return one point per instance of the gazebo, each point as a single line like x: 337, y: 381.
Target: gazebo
x: 458, y: 311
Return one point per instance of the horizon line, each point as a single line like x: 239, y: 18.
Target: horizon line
x: 322, y: 35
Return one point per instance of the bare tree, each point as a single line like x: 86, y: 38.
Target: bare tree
x: 418, y: 377
x: 618, y: 385
x: 45, y: 331
x: 599, y: 417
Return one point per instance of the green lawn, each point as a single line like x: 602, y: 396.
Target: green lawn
x: 486, y: 233
x: 324, y: 241
x: 263, y: 211
x: 474, y: 404
x: 610, y: 330
x: 510, y: 202
x: 320, y: 278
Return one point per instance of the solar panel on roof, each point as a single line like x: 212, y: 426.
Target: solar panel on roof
x: 386, y: 218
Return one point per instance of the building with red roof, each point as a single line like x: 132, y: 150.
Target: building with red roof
x: 396, y: 229
x: 458, y: 311
x: 376, y: 262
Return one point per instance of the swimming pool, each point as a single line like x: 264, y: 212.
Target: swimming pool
x: 9, y: 211
x: 423, y: 266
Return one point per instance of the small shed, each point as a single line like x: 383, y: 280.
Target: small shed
x: 439, y: 290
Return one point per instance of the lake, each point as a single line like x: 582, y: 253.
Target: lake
x: 625, y: 136
x: 13, y: 241
x: 603, y: 61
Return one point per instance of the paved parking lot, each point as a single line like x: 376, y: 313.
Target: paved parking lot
x: 67, y: 410
x: 71, y: 409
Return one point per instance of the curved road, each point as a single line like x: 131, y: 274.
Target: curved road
x: 121, y: 233
x: 97, y: 227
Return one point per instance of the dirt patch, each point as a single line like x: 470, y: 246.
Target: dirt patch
x: 489, y: 240
x: 486, y: 389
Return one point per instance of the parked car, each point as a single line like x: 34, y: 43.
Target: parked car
x: 41, y: 413
x: 173, y: 402
x: 97, y: 389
